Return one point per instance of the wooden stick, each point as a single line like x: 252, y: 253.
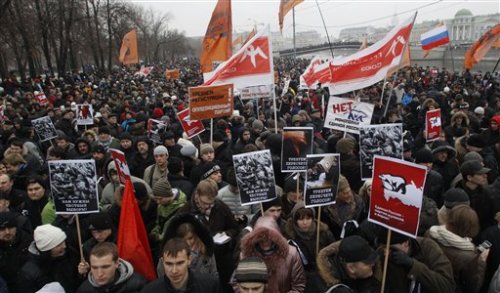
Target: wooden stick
x: 211, y: 130
x: 386, y: 259
x: 79, y: 233
x: 261, y: 209
x: 317, y: 230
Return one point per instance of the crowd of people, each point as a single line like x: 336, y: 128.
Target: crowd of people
x: 202, y: 239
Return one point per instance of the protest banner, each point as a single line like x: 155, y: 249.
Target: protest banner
x: 44, y: 128
x: 121, y: 165
x: 172, y: 74
x: 84, y: 114
x: 297, y: 143
x: 207, y: 102
x: 397, y: 194
x: 322, y: 178
x: 347, y: 115
x: 383, y: 140
x: 255, y: 177
x: 432, y: 125
x: 191, y: 127
x: 73, y: 185
x: 155, y: 130
x: 41, y: 98
x: 257, y: 92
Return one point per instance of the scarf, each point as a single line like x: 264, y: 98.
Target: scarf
x: 446, y: 238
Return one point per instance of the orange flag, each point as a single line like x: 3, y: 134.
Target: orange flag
x: 285, y: 7
x: 481, y: 47
x: 405, y: 61
x: 217, y: 44
x: 133, y: 244
x: 128, y: 52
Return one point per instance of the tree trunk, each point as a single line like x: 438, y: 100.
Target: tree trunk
x: 42, y: 22
x: 110, y: 41
x: 95, y: 8
x: 95, y: 54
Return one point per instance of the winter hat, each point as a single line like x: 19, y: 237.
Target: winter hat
x: 47, y: 237
x: 476, y: 140
x: 188, y: 150
x: 343, y: 183
x: 423, y: 155
x: 7, y: 220
x: 257, y: 124
x: 219, y: 135
x: 442, y: 145
x: 162, y: 188
x: 455, y: 196
x: 206, y: 148
x: 160, y: 150
x: 275, y: 202
x: 141, y: 193
x: 126, y: 136
x: 174, y: 165
x: 208, y: 169
x: 99, y: 149
x: 396, y: 238
x: 473, y: 156
x: 473, y: 167
x: 345, y: 145
x: 296, y: 118
x: 251, y: 269
x: 479, y: 110
x: 356, y: 249
x: 100, y: 221
x: 291, y: 185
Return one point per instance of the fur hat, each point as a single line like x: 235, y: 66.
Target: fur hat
x: 47, y: 237
x: 343, y: 183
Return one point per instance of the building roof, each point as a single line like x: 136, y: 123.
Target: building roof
x: 463, y: 12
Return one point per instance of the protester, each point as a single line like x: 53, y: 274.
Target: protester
x: 251, y: 275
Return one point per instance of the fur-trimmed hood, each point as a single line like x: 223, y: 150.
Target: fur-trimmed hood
x: 291, y: 230
x: 200, y: 230
x: 464, y: 116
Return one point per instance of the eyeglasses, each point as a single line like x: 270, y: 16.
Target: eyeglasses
x: 205, y: 204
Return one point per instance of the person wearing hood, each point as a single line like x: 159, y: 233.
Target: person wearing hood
x: 109, y: 273
x: 126, y: 146
x: 83, y: 149
x: 301, y: 230
x: 286, y: 273
x: 105, y: 139
x: 459, y: 120
x: 102, y: 230
x: 143, y: 157
x: 50, y: 260
x: 445, y: 162
x: 491, y: 135
x: 244, y: 139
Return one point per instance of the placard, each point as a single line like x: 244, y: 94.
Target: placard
x: 44, y: 128
x: 206, y: 102
x: 155, y: 130
x: 297, y: 143
x: 432, y: 125
x: 84, y: 114
x: 190, y: 127
x: 322, y: 179
x: 121, y: 165
x: 172, y: 74
x: 257, y: 92
x: 348, y: 115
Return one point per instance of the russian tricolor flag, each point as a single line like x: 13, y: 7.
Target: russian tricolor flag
x: 434, y: 38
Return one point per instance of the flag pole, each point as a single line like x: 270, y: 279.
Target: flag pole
x: 211, y: 131
x: 275, y: 112
x: 317, y: 230
x: 79, y: 234
x: 326, y: 30
x: 496, y: 65
x: 452, y: 57
x: 386, y: 259
x: 294, y: 47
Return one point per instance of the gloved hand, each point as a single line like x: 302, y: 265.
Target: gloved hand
x: 400, y: 258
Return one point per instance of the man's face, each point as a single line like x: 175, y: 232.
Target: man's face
x: 103, y: 269
x: 274, y: 212
x: 142, y: 147
x: 35, y: 191
x: 161, y: 160
x: 59, y: 250
x: 101, y: 235
x: 345, y: 195
x: 98, y: 156
x: 295, y: 196
x: 62, y: 143
x: 169, y: 142
x: 205, y: 203
x: 12, y: 169
x: 208, y: 157
x: 251, y: 287
x: 442, y: 156
x: 16, y: 149
x: 83, y: 148
x: 478, y: 179
x: 4, y: 205
x: 216, y: 176
x: 5, y: 183
x: 176, y: 268
x: 104, y: 136
x: 360, y: 270
x: 112, y: 120
x: 126, y: 144
x: 8, y: 234
x: 246, y: 136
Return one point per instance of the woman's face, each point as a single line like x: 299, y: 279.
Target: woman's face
x: 304, y: 224
x: 190, y: 239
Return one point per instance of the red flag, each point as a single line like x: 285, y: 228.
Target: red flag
x: 481, y: 47
x: 252, y: 65
x: 285, y: 7
x: 133, y: 244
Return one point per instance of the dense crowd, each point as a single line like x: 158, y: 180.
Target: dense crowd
x: 187, y: 190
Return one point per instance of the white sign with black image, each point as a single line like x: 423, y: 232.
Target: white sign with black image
x: 44, y: 128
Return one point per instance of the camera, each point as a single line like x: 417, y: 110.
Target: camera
x: 483, y: 246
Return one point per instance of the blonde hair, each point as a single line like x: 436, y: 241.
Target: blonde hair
x: 207, y: 187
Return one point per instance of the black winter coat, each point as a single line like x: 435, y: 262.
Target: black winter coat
x: 197, y: 283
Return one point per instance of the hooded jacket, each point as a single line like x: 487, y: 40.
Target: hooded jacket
x: 126, y: 281
x: 286, y: 273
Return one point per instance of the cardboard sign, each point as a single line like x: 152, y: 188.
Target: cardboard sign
x: 84, y: 114
x: 44, y: 128
x: 297, y: 143
x: 191, y: 127
x: 121, y: 165
x: 155, y: 129
x: 432, y: 124
x: 383, y: 140
x: 322, y: 179
x: 348, y: 115
x: 206, y: 102
x: 257, y: 92
x: 173, y: 74
x: 41, y: 98
x: 397, y: 195
x: 255, y: 177
x: 73, y: 185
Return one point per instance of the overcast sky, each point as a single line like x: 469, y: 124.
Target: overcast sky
x: 192, y: 17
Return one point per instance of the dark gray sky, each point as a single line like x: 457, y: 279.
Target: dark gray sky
x: 194, y: 16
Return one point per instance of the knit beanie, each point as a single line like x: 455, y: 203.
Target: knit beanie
x: 160, y: 150
x: 275, y: 202
x: 162, y: 188
x: 251, y: 269
x: 141, y: 193
x: 345, y: 145
x: 208, y: 169
x: 47, y: 237
x: 257, y: 124
x: 188, y: 150
x: 454, y: 197
x: 423, y: 155
x: 206, y: 148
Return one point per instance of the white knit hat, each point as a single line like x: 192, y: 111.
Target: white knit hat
x: 160, y: 150
x: 48, y: 236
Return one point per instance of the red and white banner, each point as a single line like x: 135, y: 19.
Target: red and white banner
x: 252, y: 65
x: 432, y: 124
x: 121, y: 165
x: 316, y: 72
x: 144, y: 71
x: 41, y: 98
x: 397, y: 194
x: 191, y: 127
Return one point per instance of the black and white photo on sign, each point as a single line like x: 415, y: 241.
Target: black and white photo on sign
x: 44, y: 128
x: 322, y: 178
x: 383, y: 140
x: 155, y: 130
x: 84, y: 114
x: 255, y: 176
x: 297, y: 143
x: 73, y: 185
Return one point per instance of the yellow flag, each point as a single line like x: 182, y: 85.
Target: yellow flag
x: 128, y: 52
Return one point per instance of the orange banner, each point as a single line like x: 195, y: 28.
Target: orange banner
x: 481, y: 47
x: 173, y: 74
x: 405, y: 61
x: 285, y: 7
x: 207, y: 102
x: 217, y: 44
x: 129, y: 54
